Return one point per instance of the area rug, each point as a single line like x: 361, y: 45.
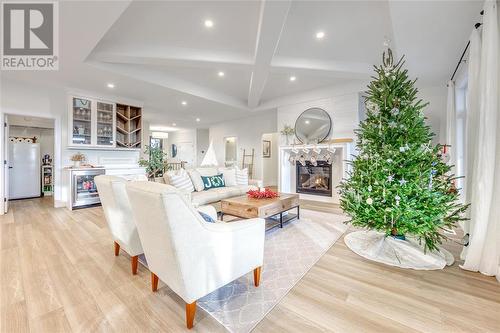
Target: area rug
x: 288, y: 255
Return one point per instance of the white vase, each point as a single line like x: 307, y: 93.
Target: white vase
x: 77, y: 164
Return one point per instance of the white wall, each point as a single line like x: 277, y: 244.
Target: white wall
x: 249, y: 132
x: 202, y: 142
x: 185, y: 140
x: 270, y: 165
x: 436, y: 111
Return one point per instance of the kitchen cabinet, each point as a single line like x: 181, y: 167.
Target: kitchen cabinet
x: 92, y: 122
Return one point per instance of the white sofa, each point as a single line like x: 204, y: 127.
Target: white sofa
x: 192, y: 256
x: 215, y: 195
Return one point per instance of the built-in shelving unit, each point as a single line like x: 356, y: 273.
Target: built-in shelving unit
x: 103, y: 125
x: 128, y: 126
x: 47, y: 180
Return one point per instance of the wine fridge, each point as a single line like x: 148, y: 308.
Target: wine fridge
x: 84, y: 189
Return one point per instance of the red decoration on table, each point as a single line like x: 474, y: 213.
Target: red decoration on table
x: 266, y: 194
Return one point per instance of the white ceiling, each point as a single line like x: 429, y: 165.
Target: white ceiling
x: 161, y: 53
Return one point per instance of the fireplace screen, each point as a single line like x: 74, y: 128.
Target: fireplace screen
x: 314, y: 179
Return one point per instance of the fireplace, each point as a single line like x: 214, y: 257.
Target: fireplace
x: 316, y: 180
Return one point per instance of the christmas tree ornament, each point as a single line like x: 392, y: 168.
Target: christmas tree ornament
x: 402, y: 182
x: 395, y: 111
x: 369, y: 201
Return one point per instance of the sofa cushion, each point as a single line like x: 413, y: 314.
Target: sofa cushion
x: 229, y: 175
x: 242, y: 176
x: 196, y: 179
x: 181, y: 181
x: 214, y: 195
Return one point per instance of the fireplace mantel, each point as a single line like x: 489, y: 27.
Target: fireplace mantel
x: 287, y: 171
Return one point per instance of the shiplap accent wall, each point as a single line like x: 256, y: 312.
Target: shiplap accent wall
x: 343, y: 110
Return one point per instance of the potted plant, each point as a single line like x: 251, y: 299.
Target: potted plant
x: 156, y: 163
x: 77, y: 159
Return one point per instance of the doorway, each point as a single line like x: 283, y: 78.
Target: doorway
x: 29, y: 158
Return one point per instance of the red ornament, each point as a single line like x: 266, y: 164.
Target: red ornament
x: 266, y: 194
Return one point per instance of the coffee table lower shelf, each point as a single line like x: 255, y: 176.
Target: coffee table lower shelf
x: 275, y: 223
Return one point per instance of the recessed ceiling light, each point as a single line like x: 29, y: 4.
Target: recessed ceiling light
x: 320, y: 35
x: 221, y: 74
x: 293, y: 78
x: 307, y: 122
x: 111, y: 85
x: 209, y: 23
x: 184, y: 103
x: 174, y: 124
x: 198, y: 119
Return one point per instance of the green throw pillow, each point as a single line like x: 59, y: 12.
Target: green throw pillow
x: 213, y: 181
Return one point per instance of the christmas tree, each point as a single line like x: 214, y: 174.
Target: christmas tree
x: 398, y: 183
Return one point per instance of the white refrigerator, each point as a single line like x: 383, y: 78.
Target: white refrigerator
x: 24, y: 170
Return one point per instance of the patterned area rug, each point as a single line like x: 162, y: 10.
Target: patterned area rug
x: 288, y: 255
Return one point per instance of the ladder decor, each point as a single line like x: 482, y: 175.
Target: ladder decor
x: 247, y: 162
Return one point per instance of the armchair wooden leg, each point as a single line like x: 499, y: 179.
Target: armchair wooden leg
x: 256, y: 276
x: 117, y: 249
x: 154, y: 282
x: 135, y: 261
x: 190, y: 312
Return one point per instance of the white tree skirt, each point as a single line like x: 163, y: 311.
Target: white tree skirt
x: 407, y: 253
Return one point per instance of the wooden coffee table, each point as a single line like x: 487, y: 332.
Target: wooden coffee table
x: 248, y: 208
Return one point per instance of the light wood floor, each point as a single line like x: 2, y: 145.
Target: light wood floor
x: 58, y: 273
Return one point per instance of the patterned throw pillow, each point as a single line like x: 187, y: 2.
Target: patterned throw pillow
x: 181, y: 181
x: 229, y: 175
x: 213, y: 181
x: 242, y: 176
x: 207, y: 217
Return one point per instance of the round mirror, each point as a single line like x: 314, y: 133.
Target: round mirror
x: 313, y: 126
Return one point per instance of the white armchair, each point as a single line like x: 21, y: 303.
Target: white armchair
x: 119, y: 216
x: 193, y: 257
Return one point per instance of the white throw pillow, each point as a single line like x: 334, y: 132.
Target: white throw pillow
x: 196, y: 179
x: 229, y: 175
x: 168, y: 174
x: 242, y: 176
x: 181, y: 181
x: 207, y: 172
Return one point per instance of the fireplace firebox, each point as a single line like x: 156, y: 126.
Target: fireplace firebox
x: 316, y: 180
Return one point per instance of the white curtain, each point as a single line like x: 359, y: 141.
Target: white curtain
x: 451, y: 126
x: 483, y: 254
x: 472, y: 119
